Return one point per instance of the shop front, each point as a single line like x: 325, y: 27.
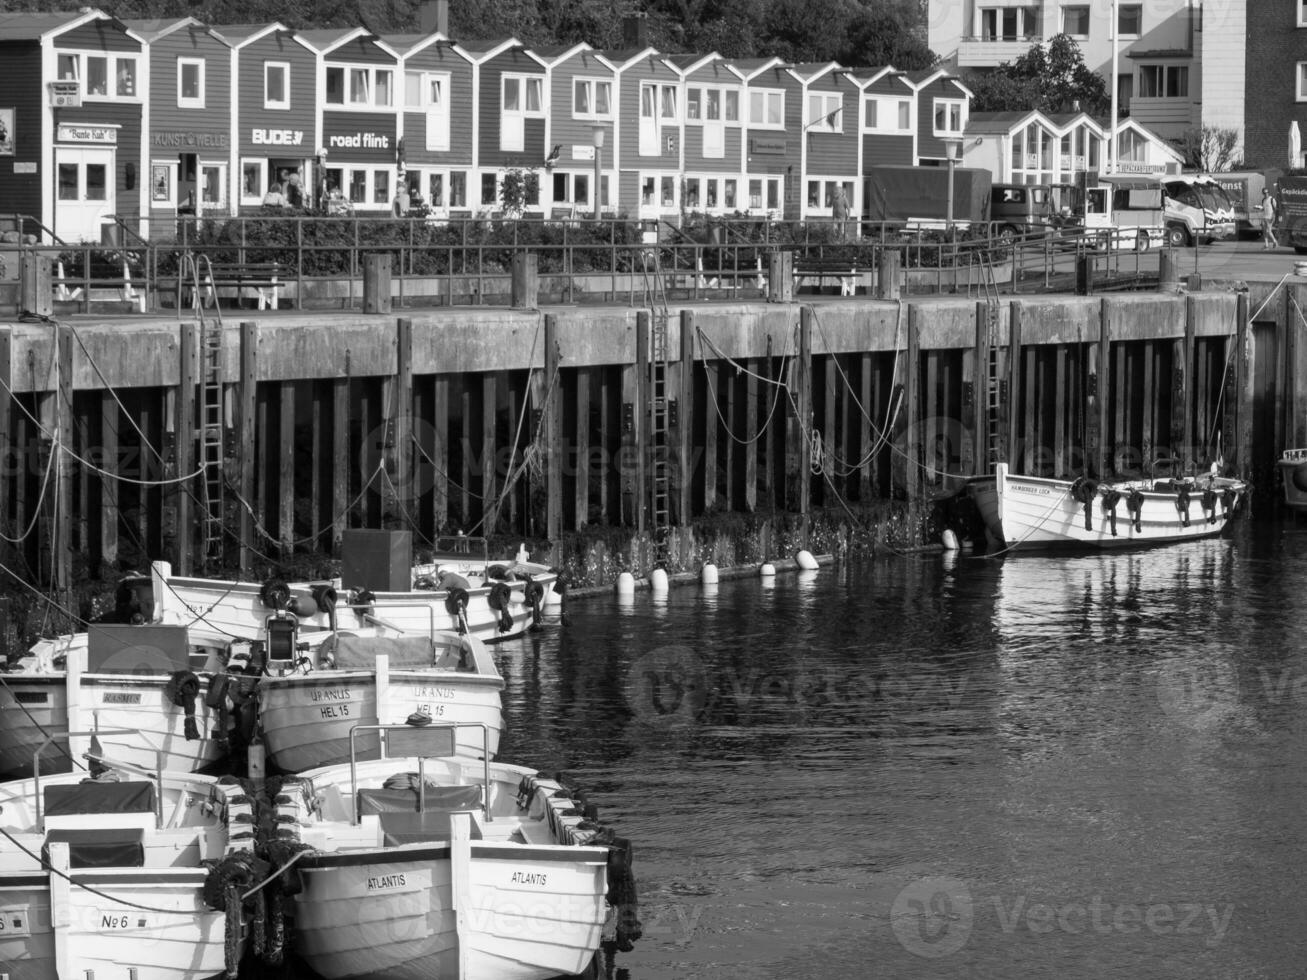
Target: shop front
x: 361, y: 159
x: 85, y: 161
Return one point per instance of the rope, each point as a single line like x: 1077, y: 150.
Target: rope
x: 94, y: 891
x: 780, y: 386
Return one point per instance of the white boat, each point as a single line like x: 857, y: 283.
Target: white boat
x: 461, y: 589
x: 1035, y: 512
x: 106, y: 876
x: 1292, y: 465
x: 449, y: 867
x: 307, y: 713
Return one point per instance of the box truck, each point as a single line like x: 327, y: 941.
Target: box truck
x: 917, y: 197
x: 1244, y: 188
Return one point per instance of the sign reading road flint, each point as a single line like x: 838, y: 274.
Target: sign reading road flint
x: 767, y: 145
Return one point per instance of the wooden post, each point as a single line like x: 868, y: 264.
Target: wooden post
x: 581, y: 456
x: 643, y: 422
x: 866, y: 394
x: 731, y: 411
x: 399, y: 430
x: 1064, y: 395
x: 803, y: 399
x: 1103, y: 373
x: 553, y: 429
x: 489, y: 483
x: 286, y: 467
x: 1151, y: 396
x: 340, y: 495
x: 1016, y: 313
x: 751, y: 436
x: 321, y: 467
x: 1030, y: 441
x: 711, y: 423
x: 57, y: 418
x: 184, y: 426
x: 911, y: 411
x: 685, y: 418
x: 439, y: 447
x: 1242, y: 450
x: 11, y: 459
x: 1295, y: 432
x: 109, y: 513
x: 244, y: 458
x: 830, y: 425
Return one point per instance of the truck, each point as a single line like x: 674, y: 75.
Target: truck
x: 1291, y: 213
x: 1128, y: 206
x: 917, y: 197
x: 1196, y: 210
x: 1244, y: 189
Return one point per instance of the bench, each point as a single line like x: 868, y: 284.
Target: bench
x: 821, y: 267
x: 265, y: 278
x: 108, y: 278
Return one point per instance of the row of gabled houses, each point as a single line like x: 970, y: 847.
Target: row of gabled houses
x: 146, y: 121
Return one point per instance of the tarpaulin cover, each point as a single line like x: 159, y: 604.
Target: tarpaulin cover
x: 93, y: 797
x: 360, y: 653
x: 406, y: 800
x: 908, y: 193
x: 119, y: 848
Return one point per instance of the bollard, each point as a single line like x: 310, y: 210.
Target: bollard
x: 376, y: 282
x: 780, y: 277
x: 1084, y: 274
x: 526, y: 280
x: 1168, y: 273
x: 889, y: 262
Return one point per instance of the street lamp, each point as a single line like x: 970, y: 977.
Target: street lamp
x: 952, y: 148
x: 598, y: 134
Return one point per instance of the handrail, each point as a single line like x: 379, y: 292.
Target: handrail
x: 23, y: 220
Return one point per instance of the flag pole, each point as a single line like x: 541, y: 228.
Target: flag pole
x: 1115, y: 85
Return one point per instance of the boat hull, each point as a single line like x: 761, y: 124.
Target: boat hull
x: 306, y: 720
x: 533, y: 913
x: 1024, y: 512
x: 34, y: 705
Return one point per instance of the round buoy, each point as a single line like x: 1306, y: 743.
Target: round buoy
x: 626, y: 584
x: 806, y: 561
x: 658, y: 580
x: 950, y: 540
x: 709, y: 575
x: 768, y: 570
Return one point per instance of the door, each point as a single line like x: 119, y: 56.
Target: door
x: 84, y: 191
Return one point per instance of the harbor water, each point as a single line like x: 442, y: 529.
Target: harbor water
x: 948, y: 766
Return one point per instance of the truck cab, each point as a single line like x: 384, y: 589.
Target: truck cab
x: 1197, y: 209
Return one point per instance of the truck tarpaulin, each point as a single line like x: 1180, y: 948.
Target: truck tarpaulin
x: 921, y: 194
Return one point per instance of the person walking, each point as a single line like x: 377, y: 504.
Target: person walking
x: 1268, y: 221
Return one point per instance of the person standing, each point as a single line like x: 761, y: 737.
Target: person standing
x: 1268, y: 220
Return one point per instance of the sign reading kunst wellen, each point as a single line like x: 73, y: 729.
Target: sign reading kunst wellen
x: 174, y: 139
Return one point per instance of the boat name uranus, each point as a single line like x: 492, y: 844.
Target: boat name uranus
x: 330, y: 694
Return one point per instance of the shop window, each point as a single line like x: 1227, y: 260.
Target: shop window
x: 458, y: 189
x: 213, y: 185
x: 648, y: 188
x: 669, y: 192
x: 728, y: 194
x: 489, y: 183
x: 358, y: 187
x: 436, y: 198
x: 380, y: 187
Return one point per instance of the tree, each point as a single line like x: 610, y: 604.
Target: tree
x: 875, y: 38
x: 1210, y: 149
x: 1053, y: 79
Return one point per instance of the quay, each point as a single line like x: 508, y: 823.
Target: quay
x: 201, y: 439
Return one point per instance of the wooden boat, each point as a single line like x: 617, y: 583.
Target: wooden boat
x: 1292, y: 465
x: 306, y: 714
x: 429, y: 865
x: 1034, y: 512
x: 461, y: 589
x: 106, y: 876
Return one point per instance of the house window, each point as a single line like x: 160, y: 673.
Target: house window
x: 254, y: 177
x: 1302, y: 13
x: 592, y: 99
x: 276, y: 85
x: 357, y: 86
x: 380, y: 187
x: 190, y: 83
x: 213, y: 185
x: 1302, y: 81
x: 1075, y: 21
x: 667, y: 103
x: 458, y: 189
x: 950, y: 117
x: 1163, y: 81
x: 767, y: 109
x: 885, y: 115
x: 97, y: 75
x: 69, y: 68
x: 126, y: 76
x: 693, y: 104
x: 825, y: 112
x: 1008, y: 23
x: 489, y: 195
x: 1129, y: 19
x: 712, y: 104
x: 524, y: 94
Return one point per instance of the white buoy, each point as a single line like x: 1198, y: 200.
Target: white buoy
x: 806, y: 561
x: 658, y: 580
x: 709, y: 575
x: 552, y: 598
x: 950, y: 540
x: 626, y: 584
x: 768, y: 570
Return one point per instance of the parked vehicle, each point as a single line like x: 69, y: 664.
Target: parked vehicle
x: 918, y: 196
x: 1244, y: 189
x: 1197, y: 210
x: 1022, y: 209
x: 1128, y: 206
x: 1291, y: 214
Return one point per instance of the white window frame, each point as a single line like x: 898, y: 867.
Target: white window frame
x: 284, y: 67
x: 257, y: 198
x: 769, y: 97
x: 1302, y: 13
x: 526, y: 82
x: 1089, y: 17
x: 831, y: 103
x: 112, y: 63
x: 722, y: 92
x: 1301, y: 93
x: 888, y: 107
x: 1164, y: 71
x: 369, y: 102
x: 424, y: 103
x: 948, y: 104
x: 1027, y: 23
x: 1117, y: 26
x: 187, y: 102
x: 118, y: 61
x: 592, y: 85
x: 221, y: 167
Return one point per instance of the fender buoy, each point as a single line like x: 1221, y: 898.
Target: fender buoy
x: 456, y: 606
x: 535, y: 593
x: 325, y: 597
x: 1134, y: 503
x: 1299, y: 477
x: 1110, y: 499
x: 302, y: 606
x: 182, y: 689
x: 499, y: 599
x: 1182, y: 503
x: 1083, y: 491
x: 1209, y: 504
x: 274, y: 594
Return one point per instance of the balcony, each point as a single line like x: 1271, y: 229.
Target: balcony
x: 974, y: 52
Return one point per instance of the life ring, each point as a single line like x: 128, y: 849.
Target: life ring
x: 274, y: 593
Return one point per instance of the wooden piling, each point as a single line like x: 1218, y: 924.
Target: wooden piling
x: 489, y: 452
x: 400, y: 462
x: 285, y: 449
x: 1101, y: 402
x: 643, y: 398
x: 1010, y: 408
x: 184, y: 425
x: 685, y: 417
x: 243, y: 460
x: 340, y: 442
x: 108, y: 482
x: 553, y: 429
x: 581, y: 456
x: 1243, y: 373
x: 437, y: 446
x: 1295, y: 407
x: 912, y: 403
x: 803, y: 400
